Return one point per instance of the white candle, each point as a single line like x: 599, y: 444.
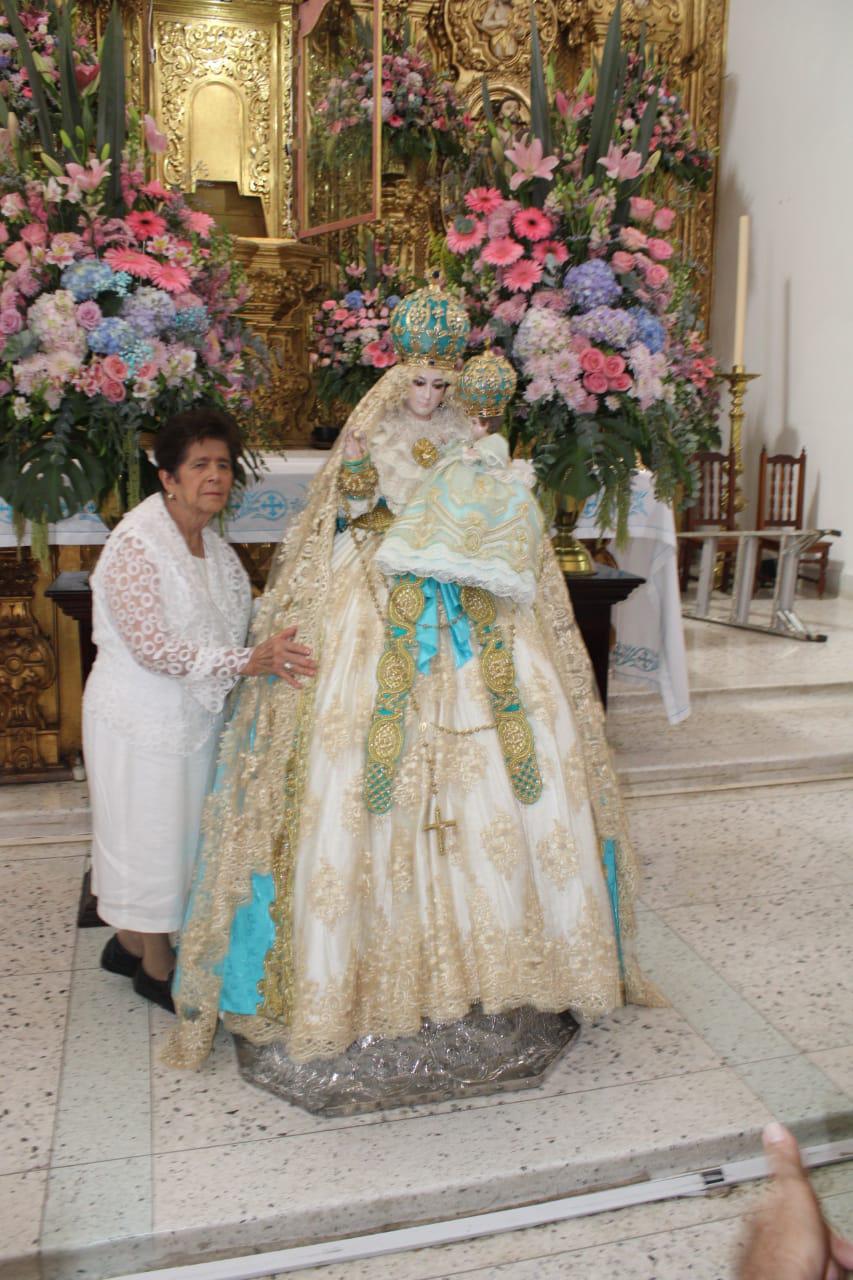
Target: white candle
x: 742, y: 281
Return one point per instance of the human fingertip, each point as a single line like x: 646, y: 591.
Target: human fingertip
x: 774, y: 1133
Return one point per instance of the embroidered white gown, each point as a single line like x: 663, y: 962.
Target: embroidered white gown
x: 170, y: 630
x: 384, y: 928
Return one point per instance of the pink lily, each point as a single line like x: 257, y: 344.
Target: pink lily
x: 530, y: 163
x: 621, y: 167
x: 154, y: 140
x: 87, y: 178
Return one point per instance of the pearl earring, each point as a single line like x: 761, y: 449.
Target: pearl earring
x: 172, y: 496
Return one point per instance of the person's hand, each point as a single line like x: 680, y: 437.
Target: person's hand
x: 790, y: 1239
x: 355, y: 445
x: 281, y: 656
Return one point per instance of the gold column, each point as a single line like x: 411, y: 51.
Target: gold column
x: 29, y: 695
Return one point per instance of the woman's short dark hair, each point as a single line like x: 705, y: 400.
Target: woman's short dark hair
x: 203, y: 422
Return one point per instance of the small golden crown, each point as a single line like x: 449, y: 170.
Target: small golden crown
x: 486, y: 384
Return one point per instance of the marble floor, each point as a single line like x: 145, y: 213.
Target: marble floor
x: 112, y: 1163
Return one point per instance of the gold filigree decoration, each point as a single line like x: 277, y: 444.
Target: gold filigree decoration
x: 201, y: 51
x: 425, y: 453
x: 328, y: 898
x: 558, y: 855
x: 494, y: 35
x: 503, y: 843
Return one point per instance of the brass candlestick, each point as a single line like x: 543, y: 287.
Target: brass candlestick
x: 737, y: 380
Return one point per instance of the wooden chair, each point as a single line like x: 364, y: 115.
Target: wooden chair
x: 781, y: 503
x: 714, y: 508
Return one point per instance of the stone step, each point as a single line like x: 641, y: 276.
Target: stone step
x: 744, y: 737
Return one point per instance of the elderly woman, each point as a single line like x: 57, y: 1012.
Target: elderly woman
x: 171, y: 610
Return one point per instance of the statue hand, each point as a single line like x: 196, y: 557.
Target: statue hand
x: 355, y: 445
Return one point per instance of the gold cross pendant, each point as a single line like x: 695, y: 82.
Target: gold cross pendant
x: 439, y: 828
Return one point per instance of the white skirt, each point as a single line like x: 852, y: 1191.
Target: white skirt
x: 146, y: 821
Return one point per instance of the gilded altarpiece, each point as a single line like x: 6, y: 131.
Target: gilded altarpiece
x: 220, y: 78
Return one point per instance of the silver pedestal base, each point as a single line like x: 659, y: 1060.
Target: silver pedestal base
x: 481, y: 1053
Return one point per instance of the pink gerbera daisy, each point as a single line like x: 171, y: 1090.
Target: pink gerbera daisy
x: 483, y: 199
x: 524, y: 274
x: 145, y: 224
x: 533, y: 224
x: 133, y: 261
x: 170, y: 277
x: 465, y: 234
x: 502, y: 252
x: 195, y: 220
x: 549, y: 248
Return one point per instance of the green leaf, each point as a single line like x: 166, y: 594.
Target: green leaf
x: 42, y: 110
x: 540, y: 121
x: 604, y: 110
x: 111, y: 104
x: 69, y: 94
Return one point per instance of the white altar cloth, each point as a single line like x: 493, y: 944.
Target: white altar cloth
x: 258, y: 514
x: 649, y: 628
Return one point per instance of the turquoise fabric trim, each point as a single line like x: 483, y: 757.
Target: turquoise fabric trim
x: 427, y: 632
x: 613, y: 890
x: 252, y: 935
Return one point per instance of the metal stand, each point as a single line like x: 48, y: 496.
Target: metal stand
x: 792, y: 545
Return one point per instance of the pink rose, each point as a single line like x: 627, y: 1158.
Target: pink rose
x: 592, y: 361
x: 660, y: 250
x: 114, y: 368
x: 596, y: 383
x: 663, y: 219
x: 613, y: 366
x: 88, y: 314
x: 622, y: 382
x: 656, y: 276
x: 114, y: 391
x: 11, y: 322
x: 4, y: 233
x: 340, y: 314
x: 328, y: 305
x: 5, y: 387
x: 17, y: 254
x: 632, y: 238
x: 622, y: 262
x: 33, y: 233
x: 641, y: 208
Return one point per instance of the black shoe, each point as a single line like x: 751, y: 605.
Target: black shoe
x: 117, y: 959
x: 157, y: 990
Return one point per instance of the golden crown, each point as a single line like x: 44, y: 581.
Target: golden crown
x: 430, y: 327
x: 486, y: 384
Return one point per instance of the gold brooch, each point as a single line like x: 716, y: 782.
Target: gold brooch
x: 425, y: 452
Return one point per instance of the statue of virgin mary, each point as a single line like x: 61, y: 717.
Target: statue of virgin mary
x: 414, y: 867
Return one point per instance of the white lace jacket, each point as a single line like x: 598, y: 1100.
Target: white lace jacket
x: 170, y: 637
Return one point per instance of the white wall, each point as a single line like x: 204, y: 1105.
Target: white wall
x: 786, y: 159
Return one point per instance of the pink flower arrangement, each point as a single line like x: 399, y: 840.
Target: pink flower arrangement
x: 571, y: 271
x: 351, y: 343
x: 422, y: 117
x: 118, y: 306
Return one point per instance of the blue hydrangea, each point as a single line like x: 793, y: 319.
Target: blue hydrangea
x: 592, y: 284
x: 610, y: 325
x: 120, y: 283
x: 136, y: 355
x: 87, y: 279
x: 650, y: 331
x: 148, y: 311
x: 392, y: 300
x: 353, y: 299
x: 192, y: 322
x: 113, y: 336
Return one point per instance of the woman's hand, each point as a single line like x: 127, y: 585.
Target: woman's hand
x: 355, y: 445
x: 280, y: 656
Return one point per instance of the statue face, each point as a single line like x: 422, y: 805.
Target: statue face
x: 426, y: 392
